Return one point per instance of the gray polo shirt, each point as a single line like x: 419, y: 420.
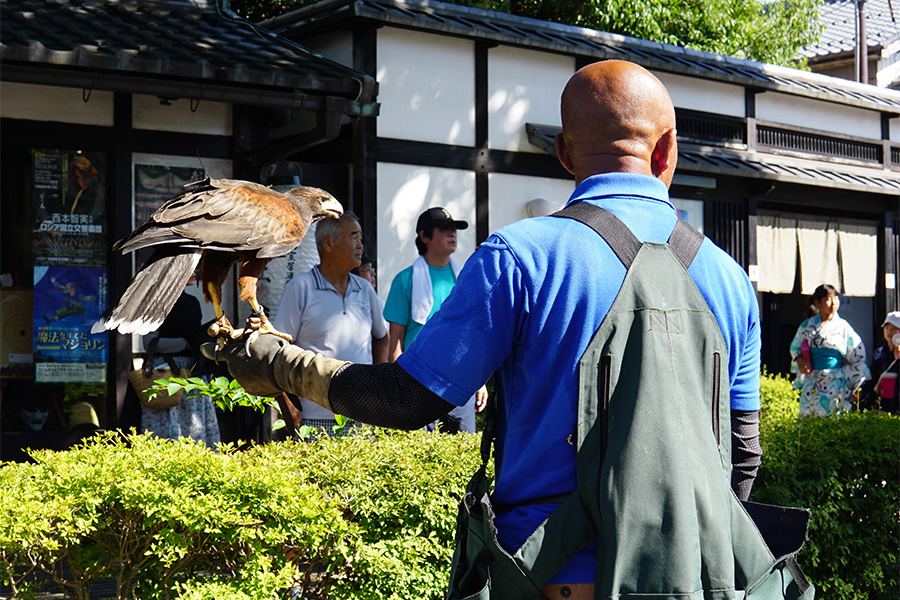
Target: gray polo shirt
x: 336, y: 326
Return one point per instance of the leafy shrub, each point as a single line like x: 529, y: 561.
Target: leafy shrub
x: 780, y: 402
x: 845, y: 469
x: 369, y: 516
x: 401, y: 489
x: 372, y: 516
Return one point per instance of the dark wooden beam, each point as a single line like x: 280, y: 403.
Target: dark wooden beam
x: 119, y: 223
x: 482, y: 193
x: 364, y: 201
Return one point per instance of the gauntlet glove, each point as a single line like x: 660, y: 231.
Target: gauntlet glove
x: 274, y: 366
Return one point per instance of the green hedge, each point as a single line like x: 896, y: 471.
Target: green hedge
x: 373, y: 516
x: 359, y: 518
x: 845, y: 469
x: 779, y: 401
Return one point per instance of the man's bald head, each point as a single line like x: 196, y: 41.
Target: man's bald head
x: 617, y: 116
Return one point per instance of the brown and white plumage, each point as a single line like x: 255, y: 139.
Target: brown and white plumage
x: 214, y: 224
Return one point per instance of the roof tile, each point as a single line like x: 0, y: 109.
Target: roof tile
x: 189, y: 40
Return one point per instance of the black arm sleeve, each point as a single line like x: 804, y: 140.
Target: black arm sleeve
x: 384, y: 395
x: 746, y: 453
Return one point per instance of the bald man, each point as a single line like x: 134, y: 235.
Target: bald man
x: 526, y: 306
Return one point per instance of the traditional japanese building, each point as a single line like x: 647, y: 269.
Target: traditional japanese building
x: 109, y: 107
x: 795, y: 174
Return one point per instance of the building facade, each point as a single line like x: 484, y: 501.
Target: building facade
x: 795, y: 174
x: 107, y: 109
x: 394, y: 107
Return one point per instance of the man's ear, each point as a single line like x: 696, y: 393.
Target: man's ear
x: 563, y: 154
x: 664, y: 156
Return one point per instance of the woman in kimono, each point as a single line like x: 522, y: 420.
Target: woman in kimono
x: 829, y: 356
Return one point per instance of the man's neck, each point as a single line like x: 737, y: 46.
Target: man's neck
x: 438, y: 261
x: 337, y: 276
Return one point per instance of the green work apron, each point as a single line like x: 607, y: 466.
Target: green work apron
x: 653, y: 443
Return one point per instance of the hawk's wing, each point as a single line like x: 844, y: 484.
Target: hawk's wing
x: 224, y: 214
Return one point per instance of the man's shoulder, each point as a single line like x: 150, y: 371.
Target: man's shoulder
x: 407, y: 272
x: 304, y: 281
x: 362, y: 286
x: 304, y: 276
x: 404, y: 277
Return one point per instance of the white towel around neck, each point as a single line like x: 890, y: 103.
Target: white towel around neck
x: 422, y: 298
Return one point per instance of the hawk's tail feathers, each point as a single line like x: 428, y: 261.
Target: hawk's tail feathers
x: 150, y: 296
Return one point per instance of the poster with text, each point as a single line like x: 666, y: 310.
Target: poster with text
x: 69, y: 207
x: 67, y: 301
x: 154, y: 185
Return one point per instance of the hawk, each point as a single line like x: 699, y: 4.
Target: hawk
x: 215, y: 223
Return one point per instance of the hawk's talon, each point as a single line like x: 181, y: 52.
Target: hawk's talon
x: 251, y: 337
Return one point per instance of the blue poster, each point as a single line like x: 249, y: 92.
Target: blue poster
x: 67, y: 301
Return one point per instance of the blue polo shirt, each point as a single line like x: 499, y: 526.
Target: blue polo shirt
x: 527, y: 304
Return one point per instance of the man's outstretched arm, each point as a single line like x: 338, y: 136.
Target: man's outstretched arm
x: 383, y: 395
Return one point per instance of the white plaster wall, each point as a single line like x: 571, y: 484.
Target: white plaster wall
x: 703, y: 95
x: 210, y: 118
x: 426, y: 87
x: 337, y: 46
x: 887, y: 73
x: 815, y: 114
x: 48, y: 103
x: 895, y: 129
x: 510, y: 195
x: 404, y: 192
x: 524, y: 86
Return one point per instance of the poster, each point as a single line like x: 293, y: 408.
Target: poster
x: 69, y: 207
x: 67, y: 301
x: 154, y: 185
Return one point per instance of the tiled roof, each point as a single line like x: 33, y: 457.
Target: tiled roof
x: 159, y: 42
x: 757, y: 165
x: 838, y: 17
x: 480, y: 24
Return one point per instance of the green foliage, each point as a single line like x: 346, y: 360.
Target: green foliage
x: 843, y: 467
x: 311, y: 434
x: 224, y: 392
x: 779, y: 401
x: 372, y: 516
x: 368, y: 516
x: 766, y: 31
x: 401, y: 489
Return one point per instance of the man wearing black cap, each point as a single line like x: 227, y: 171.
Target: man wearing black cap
x: 418, y: 291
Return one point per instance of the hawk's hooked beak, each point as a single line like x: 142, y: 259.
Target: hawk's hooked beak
x: 333, y: 208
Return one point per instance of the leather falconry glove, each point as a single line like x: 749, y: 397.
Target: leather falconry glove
x: 275, y: 366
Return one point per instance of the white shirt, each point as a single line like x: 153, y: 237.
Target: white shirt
x: 321, y: 320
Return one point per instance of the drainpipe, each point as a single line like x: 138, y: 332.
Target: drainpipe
x: 862, y: 47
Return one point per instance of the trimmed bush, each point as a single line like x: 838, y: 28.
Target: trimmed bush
x: 372, y: 516
x: 361, y: 517
x: 779, y: 401
x: 845, y: 469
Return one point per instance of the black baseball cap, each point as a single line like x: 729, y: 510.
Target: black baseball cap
x: 438, y: 217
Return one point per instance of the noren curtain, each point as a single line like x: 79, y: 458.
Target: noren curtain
x: 839, y: 252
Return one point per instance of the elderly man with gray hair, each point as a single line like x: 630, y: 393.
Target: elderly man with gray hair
x: 333, y: 312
